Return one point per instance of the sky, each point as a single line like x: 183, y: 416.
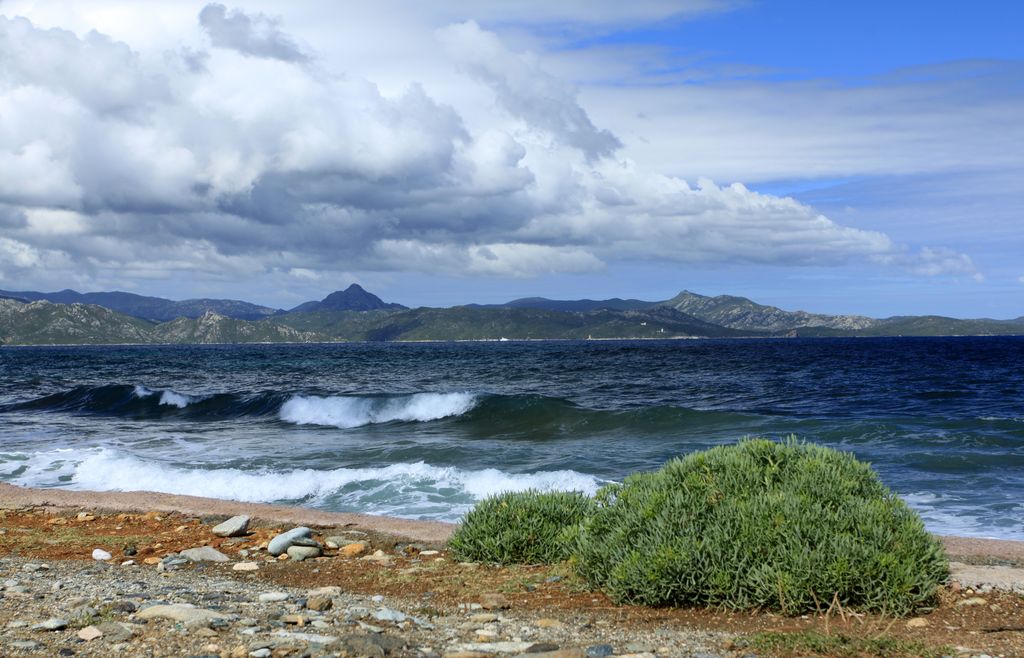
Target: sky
x: 840, y: 157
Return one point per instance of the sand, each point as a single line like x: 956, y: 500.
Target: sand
x: 13, y: 497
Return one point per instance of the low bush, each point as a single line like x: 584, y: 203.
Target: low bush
x: 528, y: 527
x: 785, y: 526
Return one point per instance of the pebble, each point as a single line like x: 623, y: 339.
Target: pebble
x: 494, y: 602
x: 354, y: 549
x: 204, y: 554
x: 89, y: 633
x: 974, y: 600
x: 387, y: 614
x: 549, y: 623
x: 52, y: 624
x: 236, y: 526
x: 183, y: 612
x: 600, y: 651
x: 556, y: 653
x: 245, y: 566
x: 265, y: 652
x: 319, y: 603
x: 312, y: 638
x: 279, y: 544
x: 300, y: 553
x: 101, y: 555
x: 493, y: 647
x: 378, y: 556
x: 917, y: 622
x: 272, y: 597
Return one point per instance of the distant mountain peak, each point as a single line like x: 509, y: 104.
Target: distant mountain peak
x: 353, y: 298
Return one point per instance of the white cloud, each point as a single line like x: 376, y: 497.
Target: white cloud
x: 525, y: 90
x: 148, y: 163
x: 257, y: 36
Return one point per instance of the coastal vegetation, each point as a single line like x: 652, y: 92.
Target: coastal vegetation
x: 528, y: 527
x: 785, y: 526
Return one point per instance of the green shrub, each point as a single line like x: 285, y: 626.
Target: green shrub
x: 528, y: 527
x: 785, y: 526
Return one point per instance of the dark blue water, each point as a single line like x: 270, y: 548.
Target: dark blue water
x: 425, y: 430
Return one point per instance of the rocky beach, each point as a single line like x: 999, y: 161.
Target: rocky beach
x: 140, y: 574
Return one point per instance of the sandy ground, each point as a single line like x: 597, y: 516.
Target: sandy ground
x: 961, y: 549
x: 13, y: 497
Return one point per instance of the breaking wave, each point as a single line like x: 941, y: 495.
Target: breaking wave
x: 353, y: 411
x: 412, y: 490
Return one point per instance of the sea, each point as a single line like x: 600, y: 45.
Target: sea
x: 426, y: 430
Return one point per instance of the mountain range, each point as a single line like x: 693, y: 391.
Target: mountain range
x: 354, y: 314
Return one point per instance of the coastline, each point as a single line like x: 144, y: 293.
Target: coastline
x: 14, y: 497
x: 976, y: 550
x: 400, y: 593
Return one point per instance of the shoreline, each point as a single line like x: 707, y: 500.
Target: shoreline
x: 436, y: 533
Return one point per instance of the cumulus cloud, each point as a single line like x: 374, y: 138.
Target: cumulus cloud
x: 111, y: 161
x: 526, y: 91
x: 254, y: 35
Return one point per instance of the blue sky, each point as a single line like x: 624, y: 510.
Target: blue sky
x: 861, y: 157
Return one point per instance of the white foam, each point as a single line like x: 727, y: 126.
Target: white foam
x: 172, y: 399
x: 346, y: 411
x: 416, y: 490
x: 168, y: 398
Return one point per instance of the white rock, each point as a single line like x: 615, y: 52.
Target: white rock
x: 89, y: 633
x: 183, y: 612
x: 236, y: 526
x: 272, y: 597
x: 52, y: 624
x: 312, y: 638
x: 101, y: 555
x: 492, y: 647
x: 245, y: 566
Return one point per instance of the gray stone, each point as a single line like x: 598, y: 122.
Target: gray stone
x: 52, y: 624
x: 236, y: 526
x: 265, y: 652
x: 300, y: 553
x: 115, y: 631
x: 183, y: 612
x: 272, y: 597
x: 372, y: 645
x: 387, y: 614
x: 600, y: 651
x: 312, y: 638
x: 101, y: 555
x: 280, y: 543
x: 493, y: 647
x: 25, y: 645
x: 204, y: 554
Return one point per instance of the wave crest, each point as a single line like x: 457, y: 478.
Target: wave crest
x: 349, y: 411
